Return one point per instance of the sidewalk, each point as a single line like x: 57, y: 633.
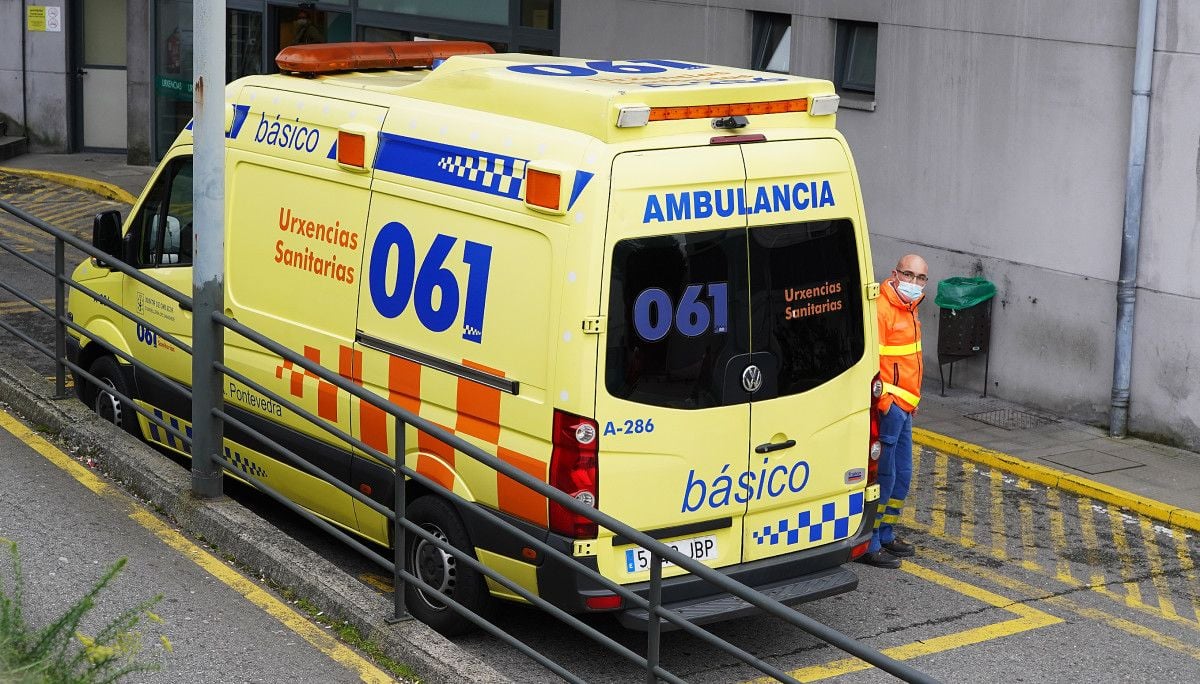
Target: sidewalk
x: 1153, y: 479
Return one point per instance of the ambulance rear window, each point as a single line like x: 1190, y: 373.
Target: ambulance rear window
x: 689, y: 312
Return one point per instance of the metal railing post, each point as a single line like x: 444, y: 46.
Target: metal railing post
x: 399, y: 538
x: 60, y: 313
x: 654, y: 630
x: 208, y: 261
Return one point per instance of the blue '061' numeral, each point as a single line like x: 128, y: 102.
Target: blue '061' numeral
x: 654, y: 312
x: 419, y: 283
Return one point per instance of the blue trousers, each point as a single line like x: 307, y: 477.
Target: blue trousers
x: 895, y: 473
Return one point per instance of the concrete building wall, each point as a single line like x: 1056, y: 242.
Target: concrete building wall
x: 998, y: 147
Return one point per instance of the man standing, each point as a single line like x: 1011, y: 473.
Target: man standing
x: 900, y: 369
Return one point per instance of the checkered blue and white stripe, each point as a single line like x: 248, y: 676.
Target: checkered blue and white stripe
x: 823, y: 523
x: 494, y: 173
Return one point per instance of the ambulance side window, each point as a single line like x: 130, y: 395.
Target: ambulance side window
x: 162, y: 228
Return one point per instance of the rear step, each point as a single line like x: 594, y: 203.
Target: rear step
x: 725, y: 607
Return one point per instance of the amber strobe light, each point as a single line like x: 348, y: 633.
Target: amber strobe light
x: 352, y: 149
x: 713, y: 111
x: 542, y: 188
x: 331, y: 57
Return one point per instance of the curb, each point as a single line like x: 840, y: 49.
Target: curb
x: 107, y: 190
x: 1170, y: 514
x: 136, y: 467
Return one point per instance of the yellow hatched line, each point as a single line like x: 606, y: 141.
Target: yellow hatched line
x: 996, y: 490
x: 26, y: 243
x: 1087, y: 524
x: 1028, y: 618
x: 314, y: 635
x: 967, y: 532
x: 23, y: 307
x: 1150, y: 543
x: 1133, y: 594
x: 1059, y: 537
x: 1065, y: 603
x: 1189, y: 569
x: 1063, y: 575
x: 941, y: 464
x: 908, y: 514
x: 1028, y: 543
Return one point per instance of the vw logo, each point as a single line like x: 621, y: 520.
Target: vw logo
x: 752, y: 379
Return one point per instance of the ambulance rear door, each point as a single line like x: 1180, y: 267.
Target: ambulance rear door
x: 808, y: 413
x: 672, y: 413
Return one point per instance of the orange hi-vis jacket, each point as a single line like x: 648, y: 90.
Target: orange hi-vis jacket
x: 900, y: 364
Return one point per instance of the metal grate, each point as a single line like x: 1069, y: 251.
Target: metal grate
x: 1011, y: 419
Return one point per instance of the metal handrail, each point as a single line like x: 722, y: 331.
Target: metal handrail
x: 659, y: 551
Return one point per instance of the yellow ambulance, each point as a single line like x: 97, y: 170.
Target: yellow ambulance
x: 646, y: 283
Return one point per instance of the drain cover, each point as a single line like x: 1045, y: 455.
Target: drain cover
x: 1011, y: 419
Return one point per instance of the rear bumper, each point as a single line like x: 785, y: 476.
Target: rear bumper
x: 791, y: 579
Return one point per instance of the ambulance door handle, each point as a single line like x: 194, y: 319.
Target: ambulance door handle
x: 774, y: 446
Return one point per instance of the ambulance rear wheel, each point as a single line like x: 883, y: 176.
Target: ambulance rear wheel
x: 440, y: 569
x: 104, y: 399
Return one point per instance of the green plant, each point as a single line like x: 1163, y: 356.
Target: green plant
x: 59, y: 652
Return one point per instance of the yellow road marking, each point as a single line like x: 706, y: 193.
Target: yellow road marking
x: 380, y: 582
x: 1189, y: 569
x: 1059, y: 537
x: 1028, y: 544
x: 7, y: 308
x: 967, y: 532
x: 1087, y: 525
x: 941, y: 464
x: 1067, y: 604
x: 328, y: 645
x: 908, y: 514
x: 1150, y: 542
x: 997, y: 492
x: 1133, y: 594
x: 1027, y: 618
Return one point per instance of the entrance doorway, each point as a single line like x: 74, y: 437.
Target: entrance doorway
x: 100, y: 94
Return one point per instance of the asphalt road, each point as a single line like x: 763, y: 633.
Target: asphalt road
x: 1013, y: 582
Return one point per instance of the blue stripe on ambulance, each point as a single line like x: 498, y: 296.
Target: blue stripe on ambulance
x: 239, y: 117
x: 461, y: 167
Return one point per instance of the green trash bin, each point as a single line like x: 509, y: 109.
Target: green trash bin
x: 964, y: 324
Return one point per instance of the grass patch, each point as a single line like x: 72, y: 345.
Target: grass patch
x: 59, y: 653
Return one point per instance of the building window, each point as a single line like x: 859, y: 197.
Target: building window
x: 772, y: 42
x: 854, y: 63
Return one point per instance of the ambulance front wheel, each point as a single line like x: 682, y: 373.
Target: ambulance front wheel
x: 104, y: 399
x: 440, y: 569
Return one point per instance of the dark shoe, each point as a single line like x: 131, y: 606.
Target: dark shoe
x: 880, y: 559
x: 900, y: 548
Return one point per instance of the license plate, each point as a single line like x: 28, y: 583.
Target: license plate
x: 703, y: 548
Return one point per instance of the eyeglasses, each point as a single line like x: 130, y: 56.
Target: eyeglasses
x: 914, y: 277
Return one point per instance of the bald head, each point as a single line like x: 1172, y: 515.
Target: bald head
x: 913, y: 264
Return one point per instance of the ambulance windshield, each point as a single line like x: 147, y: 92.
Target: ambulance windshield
x: 689, y: 312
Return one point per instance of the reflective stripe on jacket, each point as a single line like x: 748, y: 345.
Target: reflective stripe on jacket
x: 900, y: 364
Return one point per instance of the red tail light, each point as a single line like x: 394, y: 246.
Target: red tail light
x: 874, y: 448
x: 573, y: 470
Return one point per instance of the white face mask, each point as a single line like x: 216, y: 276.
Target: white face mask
x: 910, y: 290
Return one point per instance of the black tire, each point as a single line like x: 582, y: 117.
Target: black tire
x: 106, y: 404
x: 440, y: 569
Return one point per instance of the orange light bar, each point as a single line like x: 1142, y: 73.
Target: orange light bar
x: 351, y: 149
x: 542, y: 188
x: 326, y: 58
x: 719, y: 110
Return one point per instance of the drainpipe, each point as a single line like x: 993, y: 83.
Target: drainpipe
x: 1143, y: 70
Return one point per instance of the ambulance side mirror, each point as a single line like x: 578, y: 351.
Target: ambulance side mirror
x: 106, y: 235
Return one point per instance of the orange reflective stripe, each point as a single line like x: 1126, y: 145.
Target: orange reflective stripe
x: 436, y: 471
x: 904, y: 394
x: 404, y: 383
x: 899, y: 349
x: 514, y: 497
x: 372, y: 426
x: 479, y: 406
x: 432, y: 445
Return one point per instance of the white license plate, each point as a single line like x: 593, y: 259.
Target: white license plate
x: 703, y: 548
